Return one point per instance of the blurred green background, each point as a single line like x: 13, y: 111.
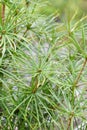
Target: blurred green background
x: 63, y: 7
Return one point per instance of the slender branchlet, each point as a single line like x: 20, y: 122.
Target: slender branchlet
x: 69, y: 121
x: 3, y: 13
x: 81, y: 71
x: 75, y: 84
x: 3, y: 19
x: 79, y: 75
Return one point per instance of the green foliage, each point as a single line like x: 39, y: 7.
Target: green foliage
x: 43, y: 65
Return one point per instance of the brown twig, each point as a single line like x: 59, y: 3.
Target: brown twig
x: 2, y: 16
x: 81, y: 71
x: 77, y: 79
x: 78, y: 76
x: 3, y: 13
x: 74, y: 86
x: 69, y: 121
x: 0, y: 37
